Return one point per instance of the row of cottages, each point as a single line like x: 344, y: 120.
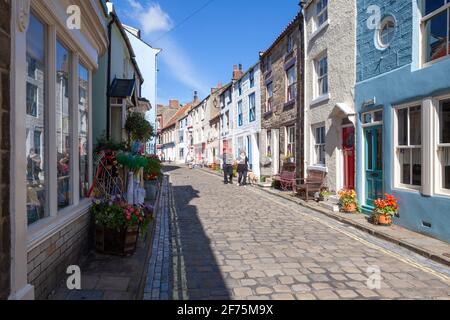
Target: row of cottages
x: 63, y: 86
x: 165, y: 141
x: 402, y: 96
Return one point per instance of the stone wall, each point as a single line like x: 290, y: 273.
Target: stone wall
x: 283, y: 115
x: 5, y: 224
x: 48, y: 262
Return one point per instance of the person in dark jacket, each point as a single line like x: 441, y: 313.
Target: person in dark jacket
x: 227, y: 168
x: 242, y: 169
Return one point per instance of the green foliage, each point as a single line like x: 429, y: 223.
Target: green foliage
x: 104, y: 144
x: 138, y: 128
x: 131, y: 161
x: 153, y: 167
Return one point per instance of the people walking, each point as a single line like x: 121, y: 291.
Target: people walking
x: 242, y: 168
x: 227, y: 168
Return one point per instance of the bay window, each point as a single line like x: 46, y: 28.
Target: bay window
x: 409, y: 145
x: 444, y: 143
x: 57, y: 116
x: 435, y: 29
x: 36, y: 122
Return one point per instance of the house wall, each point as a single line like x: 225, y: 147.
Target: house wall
x: 5, y: 222
x: 282, y: 115
x: 248, y: 129
x: 146, y: 57
x: 337, y: 40
x: 99, y: 99
x: 395, y: 85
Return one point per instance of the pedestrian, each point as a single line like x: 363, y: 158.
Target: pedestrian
x: 227, y: 168
x: 242, y: 168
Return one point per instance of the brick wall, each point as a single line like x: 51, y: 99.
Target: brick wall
x: 48, y: 262
x: 371, y: 61
x: 5, y: 232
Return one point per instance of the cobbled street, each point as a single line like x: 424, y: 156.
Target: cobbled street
x: 230, y: 242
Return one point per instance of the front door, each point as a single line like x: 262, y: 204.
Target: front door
x: 374, y: 164
x: 348, y: 147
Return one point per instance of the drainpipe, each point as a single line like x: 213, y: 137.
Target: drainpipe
x: 108, y: 85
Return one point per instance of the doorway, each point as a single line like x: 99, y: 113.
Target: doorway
x: 374, y: 164
x: 348, y: 147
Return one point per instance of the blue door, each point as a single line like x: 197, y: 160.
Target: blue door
x: 374, y: 164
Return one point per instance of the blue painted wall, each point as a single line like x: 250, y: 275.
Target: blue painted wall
x: 392, y: 83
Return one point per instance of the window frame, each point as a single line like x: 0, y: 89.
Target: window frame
x: 289, y: 86
x: 240, y: 114
x: 290, y: 142
x: 252, y: 109
x: 269, y: 99
x: 318, y: 84
x: 318, y: 14
x: 438, y: 168
x: 423, y: 33
x: 322, y: 144
x: 398, y: 184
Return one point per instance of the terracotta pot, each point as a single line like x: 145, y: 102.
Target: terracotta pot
x: 384, y: 219
x: 350, y: 208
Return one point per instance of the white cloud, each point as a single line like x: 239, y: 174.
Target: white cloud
x: 151, y: 17
x: 153, y: 20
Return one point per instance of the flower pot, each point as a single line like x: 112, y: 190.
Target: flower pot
x: 114, y: 242
x: 381, y: 219
x: 350, y: 208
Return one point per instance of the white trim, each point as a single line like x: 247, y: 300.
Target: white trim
x: 46, y: 228
x: 319, y: 100
x: 319, y: 30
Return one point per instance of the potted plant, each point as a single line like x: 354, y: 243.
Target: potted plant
x: 324, y: 194
x: 117, y: 226
x: 348, y: 201
x: 384, y: 210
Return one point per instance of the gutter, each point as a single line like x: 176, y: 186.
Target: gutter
x: 108, y: 101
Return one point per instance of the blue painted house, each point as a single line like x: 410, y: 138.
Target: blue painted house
x: 403, y: 105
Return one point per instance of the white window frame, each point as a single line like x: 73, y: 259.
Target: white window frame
x: 318, y: 14
x: 290, y: 85
x: 269, y: 101
x: 438, y: 173
x: 55, y: 218
x: 316, y: 145
x: 289, y: 142
x: 423, y: 34
x: 319, y: 78
x: 397, y: 147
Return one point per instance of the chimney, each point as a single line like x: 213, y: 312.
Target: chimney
x: 195, y: 96
x: 237, y: 73
x: 174, y: 104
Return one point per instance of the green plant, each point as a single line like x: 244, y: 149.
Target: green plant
x: 131, y: 161
x: 104, y: 144
x: 387, y: 206
x: 153, y: 168
x: 118, y: 215
x: 348, y: 198
x: 138, y: 128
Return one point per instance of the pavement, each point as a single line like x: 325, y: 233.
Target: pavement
x: 227, y: 242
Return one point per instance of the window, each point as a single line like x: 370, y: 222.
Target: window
x: 240, y: 115
x: 374, y: 117
x: 321, y: 13
x: 268, y: 63
x: 290, y: 150
x: 322, y: 76
x: 252, y: 107
x: 319, y: 145
x: 386, y: 32
x: 181, y: 154
x: 269, y: 102
x: 269, y: 143
x: 83, y: 129
x: 227, y: 119
x: 36, y: 122
x: 32, y: 99
x: 409, y: 148
x: 229, y: 98
x: 290, y: 43
x: 63, y: 126
x: 252, y: 78
x: 435, y: 27
x: 240, y: 88
x: 444, y: 142
x: 291, y: 84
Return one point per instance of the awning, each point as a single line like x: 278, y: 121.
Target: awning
x: 343, y: 110
x: 122, y: 88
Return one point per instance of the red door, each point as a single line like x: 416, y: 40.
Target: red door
x: 348, y: 146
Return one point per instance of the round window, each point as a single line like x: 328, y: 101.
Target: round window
x: 386, y: 32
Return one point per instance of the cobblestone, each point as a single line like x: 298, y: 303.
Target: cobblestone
x: 241, y: 243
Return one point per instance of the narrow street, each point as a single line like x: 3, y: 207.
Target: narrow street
x: 231, y: 242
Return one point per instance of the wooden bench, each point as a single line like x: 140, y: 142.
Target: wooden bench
x: 287, y: 177
x: 315, y: 182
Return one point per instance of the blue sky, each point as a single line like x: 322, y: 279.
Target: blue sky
x: 201, y: 52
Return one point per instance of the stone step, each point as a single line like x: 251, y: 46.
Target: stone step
x: 330, y: 205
